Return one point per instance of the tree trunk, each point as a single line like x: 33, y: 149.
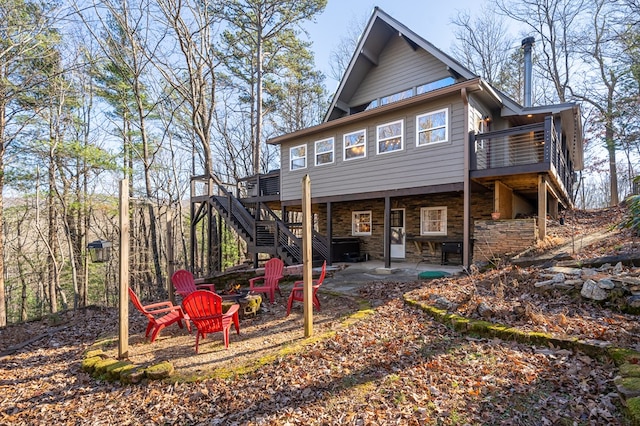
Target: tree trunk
x: 258, y: 135
x: 3, y: 122
x: 52, y: 242
x: 613, y: 169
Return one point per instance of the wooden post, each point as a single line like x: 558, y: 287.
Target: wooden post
x: 542, y: 207
x: 123, y: 335
x: 329, y: 232
x: 170, y: 260
x: 387, y: 232
x: 307, y: 256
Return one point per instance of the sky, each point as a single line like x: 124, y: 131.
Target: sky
x: 430, y: 19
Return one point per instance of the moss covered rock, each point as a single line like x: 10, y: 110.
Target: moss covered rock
x: 89, y: 364
x: 159, y: 371
x: 628, y: 387
x: 630, y: 370
x: 633, y: 410
x: 113, y: 371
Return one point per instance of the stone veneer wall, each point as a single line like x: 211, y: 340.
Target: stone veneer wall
x: 506, y: 235
x: 373, y: 244
x: 499, y: 237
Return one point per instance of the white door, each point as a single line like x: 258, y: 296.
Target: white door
x: 397, y: 234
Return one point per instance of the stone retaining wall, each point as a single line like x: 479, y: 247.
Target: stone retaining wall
x: 494, y: 238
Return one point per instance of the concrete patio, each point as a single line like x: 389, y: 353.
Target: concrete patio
x: 348, y: 277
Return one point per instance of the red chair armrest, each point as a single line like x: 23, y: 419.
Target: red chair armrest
x: 252, y: 281
x: 159, y: 311
x: 166, y: 304
x: 232, y: 310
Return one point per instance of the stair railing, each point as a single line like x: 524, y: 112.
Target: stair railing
x: 237, y: 211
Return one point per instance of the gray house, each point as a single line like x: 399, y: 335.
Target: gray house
x: 414, y: 155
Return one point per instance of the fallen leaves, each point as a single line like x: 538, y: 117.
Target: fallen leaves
x: 395, y: 366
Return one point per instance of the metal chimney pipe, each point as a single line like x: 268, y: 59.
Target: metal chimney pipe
x: 527, y: 43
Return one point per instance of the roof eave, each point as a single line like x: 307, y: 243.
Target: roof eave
x: 470, y: 85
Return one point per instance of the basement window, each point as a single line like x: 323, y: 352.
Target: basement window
x: 361, y: 223
x: 433, y: 220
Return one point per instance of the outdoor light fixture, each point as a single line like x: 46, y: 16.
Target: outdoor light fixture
x: 99, y: 250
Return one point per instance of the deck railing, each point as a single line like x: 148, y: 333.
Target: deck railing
x: 509, y: 148
x: 262, y: 185
x: 522, y: 147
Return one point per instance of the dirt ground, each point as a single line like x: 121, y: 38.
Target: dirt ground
x: 260, y: 335
x: 394, y: 365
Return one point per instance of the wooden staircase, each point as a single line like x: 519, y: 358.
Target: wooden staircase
x: 264, y: 231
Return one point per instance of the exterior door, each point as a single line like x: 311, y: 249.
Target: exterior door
x: 397, y: 234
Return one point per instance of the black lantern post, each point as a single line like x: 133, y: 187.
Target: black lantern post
x: 99, y: 250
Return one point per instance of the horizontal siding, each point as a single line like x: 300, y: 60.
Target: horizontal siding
x: 400, y: 68
x: 409, y: 168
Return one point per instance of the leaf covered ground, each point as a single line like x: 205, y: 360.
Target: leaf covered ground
x: 393, y: 366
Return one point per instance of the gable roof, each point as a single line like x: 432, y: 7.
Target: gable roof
x: 380, y: 28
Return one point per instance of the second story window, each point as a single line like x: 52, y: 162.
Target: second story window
x: 298, y: 157
x: 324, y: 151
x: 432, y: 127
x: 390, y: 137
x: 355, y: 145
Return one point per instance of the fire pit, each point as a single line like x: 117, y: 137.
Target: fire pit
x: 249, y: 303
x: 237, y: 295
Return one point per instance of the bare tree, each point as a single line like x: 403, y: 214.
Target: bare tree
x: 600, y: 47
x: 341, y: 54
x: 552, y: 23
x: 123, y: 36
x: 260, y: 34
x: 483, y: 44
x: 190, y: 71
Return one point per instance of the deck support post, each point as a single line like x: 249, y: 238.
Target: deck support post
x: 329, y: 232
x: 387, y: 232
x: 542, y: 207
x: 466, y: 192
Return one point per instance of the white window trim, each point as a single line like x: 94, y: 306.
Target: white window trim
x: 378, y: 140
x: 344, y: 145
x: 444, y: 220
x: 291, y: 158
x: 333, y: 151
x: 353, y: 222
x: 446, y: 127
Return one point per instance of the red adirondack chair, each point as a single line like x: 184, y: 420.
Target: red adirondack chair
x: 204, y: 309
x: 297, y: 292
x: 184, y: 283
x: 171, y: 313
x: 270, y: 280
